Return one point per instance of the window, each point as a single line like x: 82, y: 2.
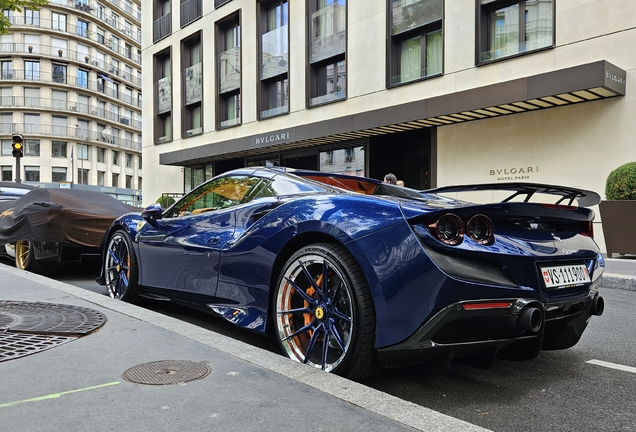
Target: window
x: 82, y: 152
x: 100, y: 36
x: 58, y: 149
x: 7, y: 69
x: 101, y: 154
x: 415, y: 50
x: 100, y: 12
x: 128, y: 160
x: 229, y: 68
x: 163, y: 97
x: 32, y: 97
x: 100, y: 178
x: 129, y: 182
x: 82, y: 28
x: 193, y: 86
x: 31, y: 123
x: 7, y: 149
x: 327, y: 45
x: 82, y: 78
x: 31, y: 147
x: 6, y: 124
x: 508, y: 28
x: 115, y: 157
x: 274, y: 91
x: 221, y: 193
x: 114, y: 43
x: 82, y: 176
x: 7, y: 173
x: 161, y: 26
x: 32, y: 173
x: 139, y: 161
x: 58, y: 21
x: 218, y: 3
x: 58, y: 174
x: 115, y: 180
x: 31, y: 70
x: 32, y: 17
x: 349, y: 160
x: 59, y: 73
x: 190, y: 10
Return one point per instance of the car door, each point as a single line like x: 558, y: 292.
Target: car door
x: 181, y: 251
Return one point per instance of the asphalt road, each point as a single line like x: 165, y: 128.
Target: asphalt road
x: 557, y: 391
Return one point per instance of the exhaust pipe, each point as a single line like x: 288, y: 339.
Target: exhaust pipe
x: 530, y: 319
x: 598, y: 305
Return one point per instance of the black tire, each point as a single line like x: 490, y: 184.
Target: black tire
x: 120, y: 268
x: 305, y: 315
x: 25, y: 260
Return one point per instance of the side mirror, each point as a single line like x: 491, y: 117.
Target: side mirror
x: 152, y: 212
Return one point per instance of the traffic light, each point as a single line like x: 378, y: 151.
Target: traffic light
x: 18, y: 145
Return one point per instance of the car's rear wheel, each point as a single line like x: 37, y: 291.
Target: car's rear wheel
x: 324, y: 312
x: 25, y: 259
x: 120, y: 268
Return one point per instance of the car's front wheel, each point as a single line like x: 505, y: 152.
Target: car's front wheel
x: 120, y: 268
x: 324, y: 312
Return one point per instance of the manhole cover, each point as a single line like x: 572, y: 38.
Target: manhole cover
x: 36, y: 317
x: 167, y: 372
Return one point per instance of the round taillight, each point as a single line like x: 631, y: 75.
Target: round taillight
x: 450, y: 229
x: 480, y: 229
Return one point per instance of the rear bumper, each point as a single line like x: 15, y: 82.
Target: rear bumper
x: 464, y: 329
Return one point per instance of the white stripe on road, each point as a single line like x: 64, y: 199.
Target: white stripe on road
x: 612, y: 365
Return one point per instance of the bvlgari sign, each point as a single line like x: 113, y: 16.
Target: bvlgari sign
x: 523, y: 169
x: 273, y: 138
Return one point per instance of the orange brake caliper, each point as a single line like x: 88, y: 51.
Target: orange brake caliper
x: 312, y: 292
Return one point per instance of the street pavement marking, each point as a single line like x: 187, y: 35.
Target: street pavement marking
x: 57, y: 395
x: 612, y: 365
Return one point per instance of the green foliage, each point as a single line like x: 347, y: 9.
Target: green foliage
x: 621, y: 183
x: 17, y: 6
x: 165, y: 201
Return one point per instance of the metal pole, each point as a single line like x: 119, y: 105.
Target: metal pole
x: 17, y: 169
x: 82, y: 165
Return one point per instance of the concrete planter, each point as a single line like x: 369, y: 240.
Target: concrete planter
x: 619, y: 228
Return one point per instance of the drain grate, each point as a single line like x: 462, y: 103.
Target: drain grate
x: 30, y: 327
x: 14, y: 345
x: 167, y: 372
x: 35, y: 317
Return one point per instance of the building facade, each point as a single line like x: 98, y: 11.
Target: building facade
x: 437, y: 92
x: 71, y: 85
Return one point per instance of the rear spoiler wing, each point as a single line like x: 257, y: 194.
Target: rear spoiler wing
x: 566, y: 195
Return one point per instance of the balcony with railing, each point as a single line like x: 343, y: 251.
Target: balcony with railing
x: 275, y: 46
x: 77, y: 108
x: 328, y: 30
x: 229, y: 64
x: 101, y: 85
x: 193, y: 84
x: 65, y: 132
x: 164, y: 95
x: 90, y: 7
x: 190, y: 11
x: 98, y: 38
x: 161, y: 27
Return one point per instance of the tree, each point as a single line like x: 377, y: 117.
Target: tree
x: 16, y: 6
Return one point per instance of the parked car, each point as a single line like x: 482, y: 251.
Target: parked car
x: 350, y: 274
x: 42, y: 229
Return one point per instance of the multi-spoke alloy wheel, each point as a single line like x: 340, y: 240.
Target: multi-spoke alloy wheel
x: 22, y: 251
x: 120, y: 268
x: 324, y: 313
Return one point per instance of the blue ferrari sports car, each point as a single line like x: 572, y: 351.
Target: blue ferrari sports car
x: 350, y: 274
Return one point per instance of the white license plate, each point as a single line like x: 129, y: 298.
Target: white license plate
x: 565, y: 276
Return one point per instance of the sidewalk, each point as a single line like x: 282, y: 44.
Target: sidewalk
x: 620, y: 273
x: 79, y: 385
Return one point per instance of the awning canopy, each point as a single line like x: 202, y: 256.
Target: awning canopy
x: 583, y: 83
